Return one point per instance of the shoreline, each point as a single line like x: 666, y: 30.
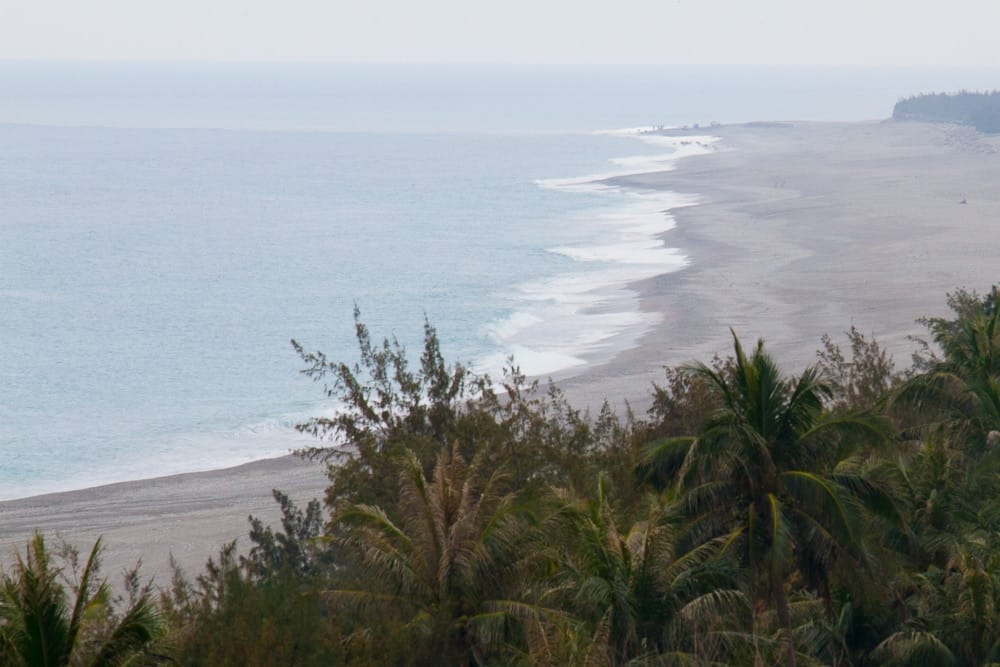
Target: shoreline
x: 808, y: 228
x: 618, y: 233
x: 653, y: 253
x: 189, y: 515
x: 802, y: 229
x: 569, y: 320
x: 192, y: 514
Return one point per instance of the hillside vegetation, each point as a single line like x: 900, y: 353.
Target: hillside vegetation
x: 844, y: 514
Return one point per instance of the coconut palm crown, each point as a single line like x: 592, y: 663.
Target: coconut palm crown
x: 962, y: 385
x: 442, y: 564
x: 753, y: 471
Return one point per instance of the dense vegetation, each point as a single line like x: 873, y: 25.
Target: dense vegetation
x: 980, y: 110
x: 844, y: 515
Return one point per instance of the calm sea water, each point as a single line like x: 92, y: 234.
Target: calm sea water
x: 165, y: 230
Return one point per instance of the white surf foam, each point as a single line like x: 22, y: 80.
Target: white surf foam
x: 679, y: 147
x: 589, y: 315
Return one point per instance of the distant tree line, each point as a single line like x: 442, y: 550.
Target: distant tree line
x: 981, y: 110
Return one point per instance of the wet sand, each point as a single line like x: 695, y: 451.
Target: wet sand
x: 803, y: 229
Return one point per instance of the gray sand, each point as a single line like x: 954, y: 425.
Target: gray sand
x: 190, y: 515
x: 808, y: 228
x: 804, y: 229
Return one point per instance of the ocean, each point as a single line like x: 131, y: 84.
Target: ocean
x: 166, y: 229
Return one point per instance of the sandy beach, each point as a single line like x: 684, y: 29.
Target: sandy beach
x: 803, y: 229
x: 810, y: 228
x: 190, y: 516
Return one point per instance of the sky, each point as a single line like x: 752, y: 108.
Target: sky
x: 679, y: 32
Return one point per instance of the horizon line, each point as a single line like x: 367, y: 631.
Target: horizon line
x: 489, y: 64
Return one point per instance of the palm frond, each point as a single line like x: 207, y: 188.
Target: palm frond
x: 912, y: 647
x: 140, y: 624
x: 825, y: 503
x: 661, y: 460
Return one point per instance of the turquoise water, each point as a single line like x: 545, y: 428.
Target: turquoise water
x: 164, y: 232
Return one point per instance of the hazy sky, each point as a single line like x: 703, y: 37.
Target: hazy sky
x: 808, y: 32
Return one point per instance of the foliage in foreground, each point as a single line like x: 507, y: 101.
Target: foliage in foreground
x: 845, y: 515
x: 53, y: 618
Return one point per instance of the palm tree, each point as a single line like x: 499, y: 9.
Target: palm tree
x: 40, y: 629
x: 954, y: 616
x: 443, y: 565
x: 755, y: 471
x: 963, y: 385
x: 628, y: 586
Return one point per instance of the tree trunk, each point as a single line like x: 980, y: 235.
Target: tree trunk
x: 784, y: 617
